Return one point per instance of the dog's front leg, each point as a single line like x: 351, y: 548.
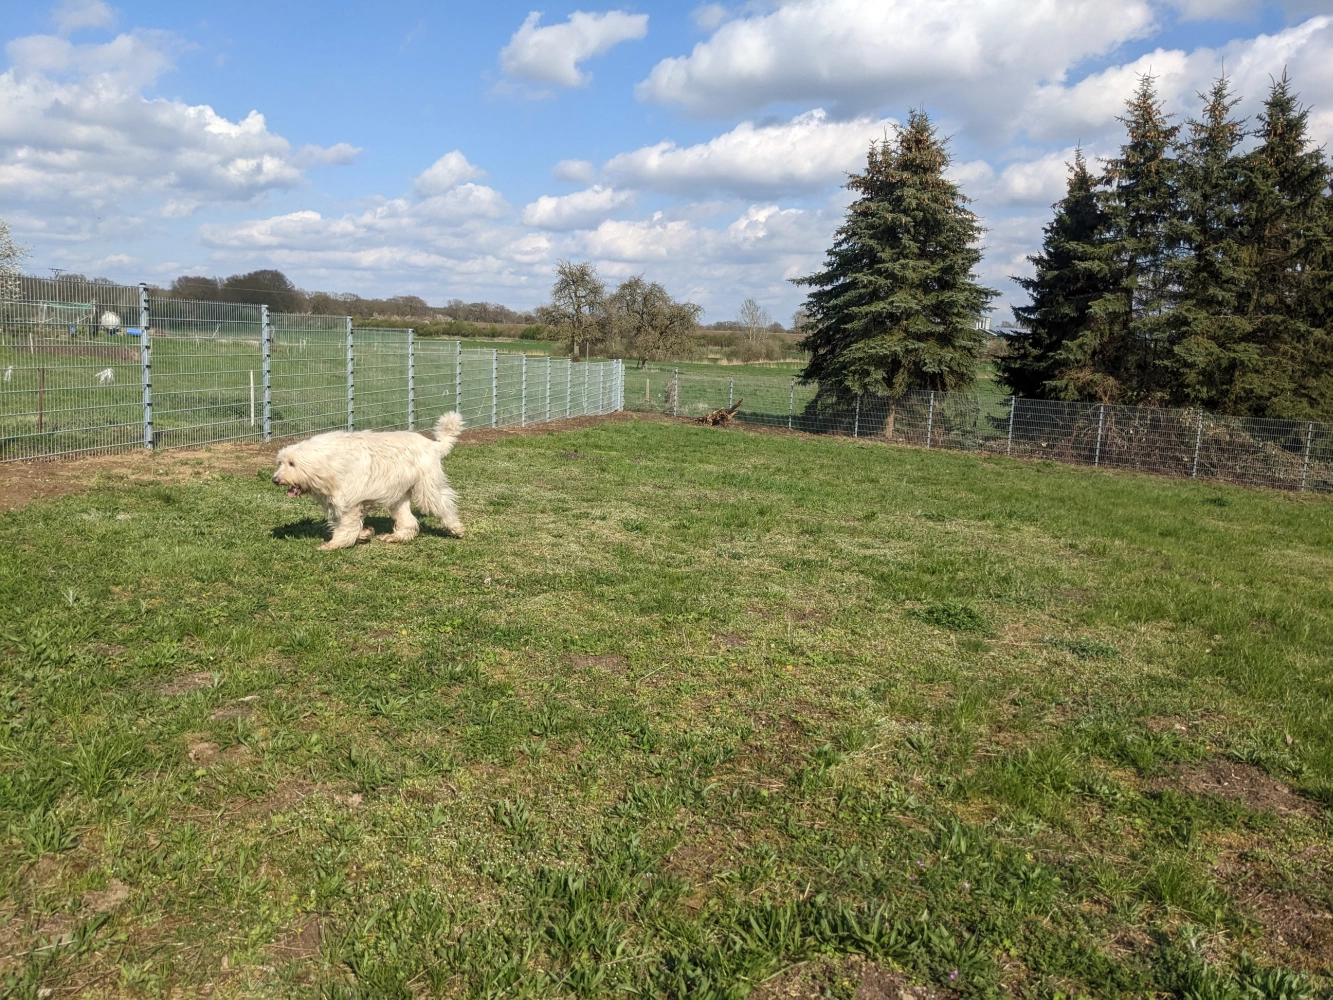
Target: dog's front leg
x: 346, y: 525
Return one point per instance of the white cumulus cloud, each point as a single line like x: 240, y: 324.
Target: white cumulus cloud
x: 552, y: 54
x: 804, y: 154
x: 445, y: 174
x: 1089, y: 107
x: 73, y: 15
x: 76, y: 128
x: 574, y: 171
x: 580, y: 210
x: 981, y: 57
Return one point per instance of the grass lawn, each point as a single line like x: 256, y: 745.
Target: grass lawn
x: 688, y: 713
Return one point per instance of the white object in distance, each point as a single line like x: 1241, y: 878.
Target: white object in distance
x: 110, y: 323
x: 106, y: 377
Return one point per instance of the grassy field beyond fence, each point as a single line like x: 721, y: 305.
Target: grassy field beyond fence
x: 688, y: 713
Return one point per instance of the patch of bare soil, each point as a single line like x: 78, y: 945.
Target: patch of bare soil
x: 301, y: 942
x: 1298, y: 927
x: 1239, y: 783
x: 197, y: 681
x: 241, y: 708
x: 22, y: 483
x: 204, y: 752
x: 730, y: 640
x: 821, y: 978
x: 609, y: 661
x: 106, y: 900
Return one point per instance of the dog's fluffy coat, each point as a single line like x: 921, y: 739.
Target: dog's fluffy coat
x: 351, y: 472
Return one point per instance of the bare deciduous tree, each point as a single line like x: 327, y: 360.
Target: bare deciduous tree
x: 649, y: 323
x: 754, y: 320
x: 578, y: 305
x: 12, y: 255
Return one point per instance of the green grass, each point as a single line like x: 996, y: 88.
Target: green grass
x: 684, y: 707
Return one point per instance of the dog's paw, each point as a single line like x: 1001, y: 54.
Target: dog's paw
x: 457, y: 530
x: 328, y: 547
x: 366, y: 535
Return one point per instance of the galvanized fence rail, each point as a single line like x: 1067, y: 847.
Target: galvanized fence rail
x: 1284, y: 454
x: 91, y: 367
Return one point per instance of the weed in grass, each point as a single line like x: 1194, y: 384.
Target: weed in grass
x: 43, y: 831
x: 1085, y: 647
x: 953, y: 615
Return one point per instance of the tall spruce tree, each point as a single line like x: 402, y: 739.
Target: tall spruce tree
x: 896, y: 306
x: 1211, y: 271
x: 1284, y: 367
x: 1121, y: 354
x: 1072, y: 272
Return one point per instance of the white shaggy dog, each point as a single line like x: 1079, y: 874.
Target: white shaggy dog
x: 350, y: 472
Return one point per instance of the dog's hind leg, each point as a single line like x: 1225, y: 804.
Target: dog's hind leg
x: 405, y: 525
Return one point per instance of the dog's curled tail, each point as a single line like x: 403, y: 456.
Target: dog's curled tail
x: 447, y: 429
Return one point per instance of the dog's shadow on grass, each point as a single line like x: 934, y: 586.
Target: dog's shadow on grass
x: 312, y: 528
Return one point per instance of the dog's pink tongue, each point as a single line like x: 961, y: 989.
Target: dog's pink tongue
x: 295, y: 491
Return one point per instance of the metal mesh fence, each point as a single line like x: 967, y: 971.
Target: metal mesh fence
x: 89, y: 366
x: 309, y: 373
x: 1285, y: 454
x: 70, y: 369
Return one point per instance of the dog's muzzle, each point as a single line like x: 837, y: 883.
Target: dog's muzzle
x: 292, y: 491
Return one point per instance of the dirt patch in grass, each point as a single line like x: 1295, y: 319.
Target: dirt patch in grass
x: 609, y: 661
x: 198, y: 681
x: 241, y: 708
x: 1239, y: 783
x: 1301, y: 929
x: 23, y: 483
x: 820, y: 978
x: 301, y: 942
x: 730, y: 640
x: 106, y: 900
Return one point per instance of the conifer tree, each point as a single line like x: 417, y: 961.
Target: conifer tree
x: 896, y: 306
x: 1284, y: 367
x: 1071, y: 274
x: 1121, y: 353
x: 1211, y: 272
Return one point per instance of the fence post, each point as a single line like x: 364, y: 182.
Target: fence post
x: 458, y: 377
x: 523, y: 392
x: 146, y: 361
x: 1013, y: 405
x: 495, y: 386
x: 1097, y: 453
x: 731, y: 393
x: 548, y: 388
x: 675, y: 394
x: 569, y: 386
x: 266, y: 338
x: 1198, y: 440
x: 411, y: 382
x: 791, y: 403
x: 930, y: 418
x: 1305, y: 468
x: 856, y: 420
x: 585, y: 383
x: 351, y: 404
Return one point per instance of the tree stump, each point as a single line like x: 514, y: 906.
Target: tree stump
x: 721, y: 417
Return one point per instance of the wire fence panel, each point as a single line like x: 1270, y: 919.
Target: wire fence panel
x: 436, y: 373
x: 380, y: 378
x: 71, y: 369
x: 1286, y: 454
x: 207, y: 371
x: 309, y: 373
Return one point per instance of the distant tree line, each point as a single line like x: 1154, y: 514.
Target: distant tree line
x: 276, y: 290
x: 1195, y: 269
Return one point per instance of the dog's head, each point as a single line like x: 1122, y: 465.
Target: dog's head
x: 291, y: 472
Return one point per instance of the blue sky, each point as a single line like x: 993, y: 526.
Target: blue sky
x: 459, y: 150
